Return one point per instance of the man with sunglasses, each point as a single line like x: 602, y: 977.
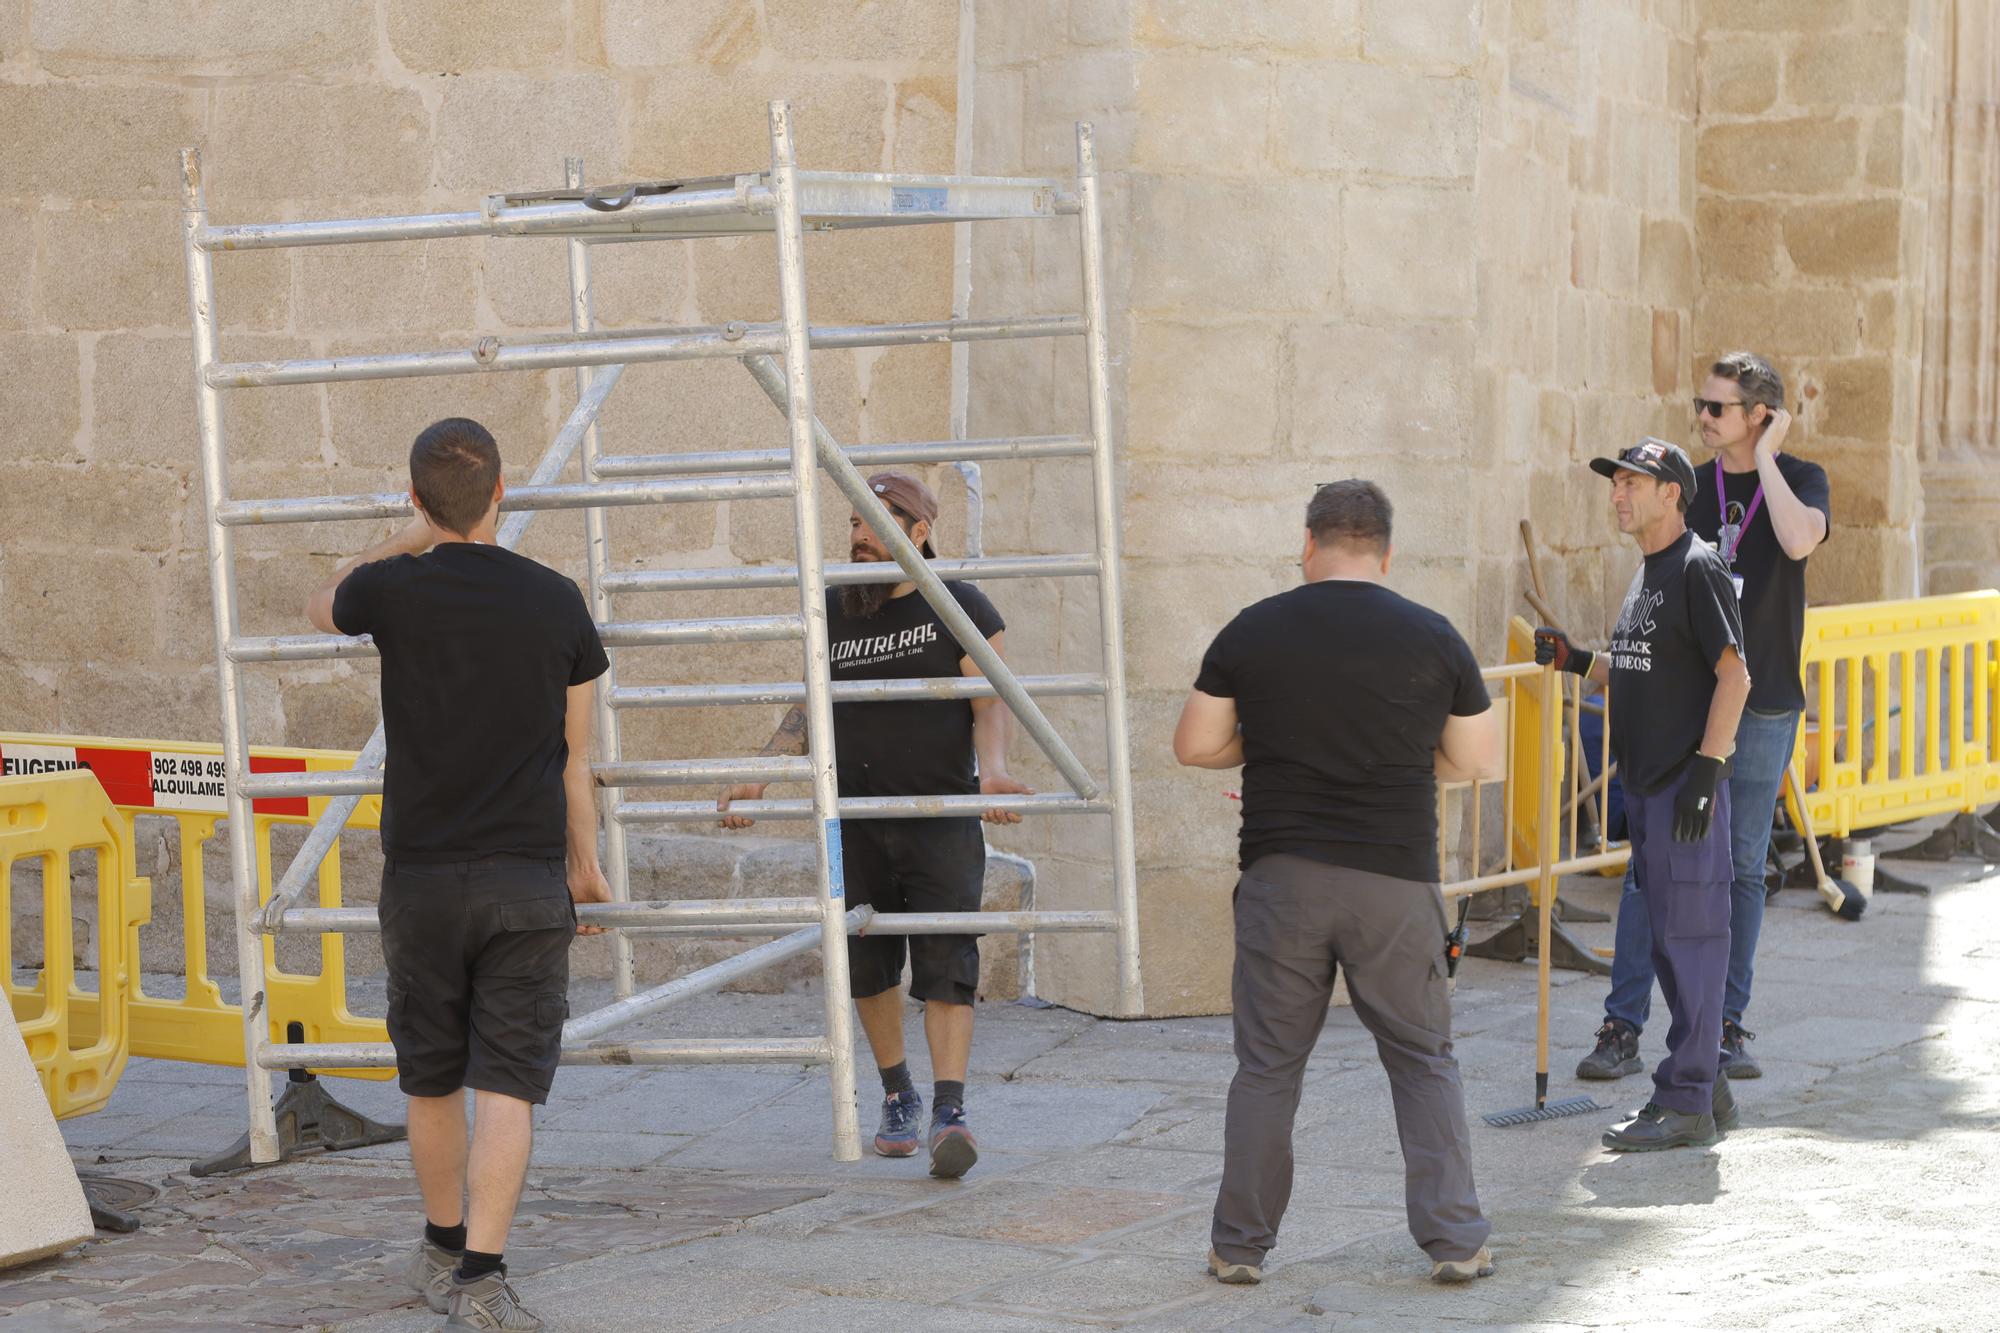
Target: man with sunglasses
x: 1766, y: 512
x: 883, y: 631
x: 1678, y: 683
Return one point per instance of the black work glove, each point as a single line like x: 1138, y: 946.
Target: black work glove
x: 1552, y: 645
x: 1694, y: 808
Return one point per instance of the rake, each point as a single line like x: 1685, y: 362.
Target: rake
x: 1545, y: 893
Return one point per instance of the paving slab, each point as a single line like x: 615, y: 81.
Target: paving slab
x: 668, y: 1199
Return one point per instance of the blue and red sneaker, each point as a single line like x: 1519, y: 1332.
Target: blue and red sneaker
x: 897, y: 1135
x: 953, y: 1149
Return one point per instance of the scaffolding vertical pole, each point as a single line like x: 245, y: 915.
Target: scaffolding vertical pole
x: 1110, y: 588
x: 597, y: 544
x: 818, y: 661
x: 222, y: 590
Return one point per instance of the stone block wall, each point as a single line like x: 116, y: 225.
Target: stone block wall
x: 1815, y: 169
x: 1455, y: 245
x: 359, y: 107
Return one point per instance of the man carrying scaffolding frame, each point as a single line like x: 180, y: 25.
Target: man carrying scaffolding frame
x: 489, y: 834
x: 916, y: 747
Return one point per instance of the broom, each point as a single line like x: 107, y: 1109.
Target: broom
x: 1545, y: 893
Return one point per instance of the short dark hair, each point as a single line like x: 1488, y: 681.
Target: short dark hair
x: 1756, y: 377
x: 1352, y: 513
x: 453, y: 467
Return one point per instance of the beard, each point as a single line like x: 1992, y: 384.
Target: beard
x: 864, y: 601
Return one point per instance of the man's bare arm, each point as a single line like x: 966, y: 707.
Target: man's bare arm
x: 790, y: 737
x: 1208, y: 735
x: 413, y: 538
x: 1725, y: 709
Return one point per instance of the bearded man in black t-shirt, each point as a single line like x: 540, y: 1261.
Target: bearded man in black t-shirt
x: 1678, y: 685
x: 489, y: 834
x: 1345, y: 704
x: 883, y: 631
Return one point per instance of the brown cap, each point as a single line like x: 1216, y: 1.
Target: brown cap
x: 901, y: 491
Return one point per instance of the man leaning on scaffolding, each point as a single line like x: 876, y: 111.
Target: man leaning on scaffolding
x: 489, y: 835
x: 878, y: 631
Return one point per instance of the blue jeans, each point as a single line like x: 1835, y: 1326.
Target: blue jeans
x: 1763, y: 749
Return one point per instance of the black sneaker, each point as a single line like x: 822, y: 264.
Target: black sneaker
x: 1723, y: 1107
x: 1655, y: 1128
x: 1736, y: 1061
x: 1617, y: 1052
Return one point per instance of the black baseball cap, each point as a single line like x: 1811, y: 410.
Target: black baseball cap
x: 1657, y: 459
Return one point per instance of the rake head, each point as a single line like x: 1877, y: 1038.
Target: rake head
x: 1528, y: 1115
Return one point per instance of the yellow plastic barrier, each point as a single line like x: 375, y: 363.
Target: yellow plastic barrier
x: 186, y: 783
x: 1907, y: 696
x: 78, y: 1040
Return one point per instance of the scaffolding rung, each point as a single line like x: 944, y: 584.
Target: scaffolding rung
x: 714, y: 629
x: 861, y: 455
x: 730, y: 340
x: 786, y: 576
x: 788, y: 913
x: 299, y: 647
x: 675, y: 772
x: 333, y: 782
x: 985, y: 923
x: 718, y: 206
x: 575, y: 495
x: 851, y: 691
x: 686, y: 1050
x: 701, y: 1051
x: 859, y: 807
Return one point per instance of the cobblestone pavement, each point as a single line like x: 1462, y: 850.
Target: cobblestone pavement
x: 1856, y: 1195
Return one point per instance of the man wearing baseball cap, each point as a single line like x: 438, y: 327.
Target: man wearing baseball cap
x: 1678, y: 686
x: 882, y: 631
x: 1766, y: 512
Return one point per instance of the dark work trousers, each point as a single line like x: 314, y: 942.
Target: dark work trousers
x: 1296, y: 921
x: 1685, y: 889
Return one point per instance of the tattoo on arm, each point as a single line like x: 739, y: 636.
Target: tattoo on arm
x: 790, y: 737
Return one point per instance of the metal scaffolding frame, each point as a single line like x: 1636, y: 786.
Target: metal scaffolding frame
x: 788, y: 202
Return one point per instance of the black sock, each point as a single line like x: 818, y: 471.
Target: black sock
x: 947, y: 1094
x: 445, y: 1238
x: 896, y: 1078
x: 476, y: 1265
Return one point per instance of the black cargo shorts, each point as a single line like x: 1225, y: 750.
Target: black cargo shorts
x: 914, y: 865
x: 478, y: 955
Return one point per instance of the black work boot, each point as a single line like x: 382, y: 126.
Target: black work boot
x: 1655, y: 1128
x: 1617, y: 1052
x: 1723, y: 1107
x: 1736, y: 1061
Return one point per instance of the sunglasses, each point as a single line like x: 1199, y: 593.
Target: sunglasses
x: 1714, y: 409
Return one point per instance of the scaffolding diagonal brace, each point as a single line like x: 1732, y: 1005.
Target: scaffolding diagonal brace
x: 846, y: 476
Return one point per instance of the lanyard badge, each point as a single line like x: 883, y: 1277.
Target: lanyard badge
x: 1730, y: 535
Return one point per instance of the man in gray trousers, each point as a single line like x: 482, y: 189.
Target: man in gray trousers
x: 1345, y: 703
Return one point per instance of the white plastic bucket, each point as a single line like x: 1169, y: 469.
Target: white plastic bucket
x: 1857, y: 865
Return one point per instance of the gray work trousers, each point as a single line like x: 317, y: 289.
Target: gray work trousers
x: 1296, y: 921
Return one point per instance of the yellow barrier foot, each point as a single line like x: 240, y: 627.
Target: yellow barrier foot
x: 310, y: 1121
x: 1516, y: 944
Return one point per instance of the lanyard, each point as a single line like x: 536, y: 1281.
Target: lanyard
x: 1722, y: 505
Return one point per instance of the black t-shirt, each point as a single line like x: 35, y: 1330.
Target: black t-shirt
x: 1342, y: 690
x: 1774, y: 584
x: 899, y: 747
x: 479, y: 648
x: 1678, y: 616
